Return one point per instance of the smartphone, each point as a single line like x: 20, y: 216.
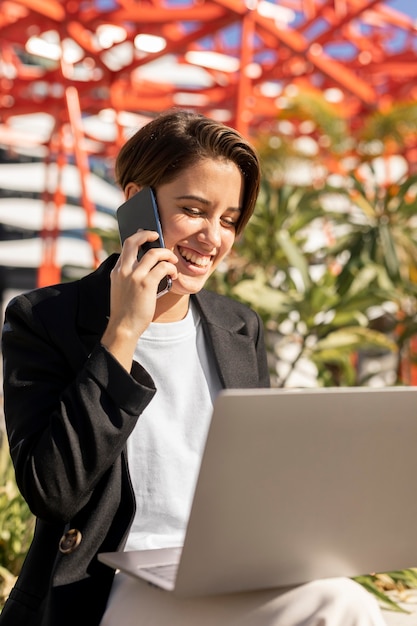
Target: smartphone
x: 141, y: 211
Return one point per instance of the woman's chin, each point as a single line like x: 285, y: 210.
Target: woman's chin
x: 186, y: 285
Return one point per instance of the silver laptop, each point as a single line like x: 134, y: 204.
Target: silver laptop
x: 296, y: 485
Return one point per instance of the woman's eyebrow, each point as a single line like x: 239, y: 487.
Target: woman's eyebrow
x: 204, y: 201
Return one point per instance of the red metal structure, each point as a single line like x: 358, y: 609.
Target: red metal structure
x: 231, y: 59
x: 228, y: 58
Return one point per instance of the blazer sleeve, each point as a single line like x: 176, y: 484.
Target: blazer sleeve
x: 68, y: 413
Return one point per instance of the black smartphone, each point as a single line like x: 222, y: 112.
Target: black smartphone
x: 141, y: 211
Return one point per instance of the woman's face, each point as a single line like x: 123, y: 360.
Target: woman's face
x: 199, y: 211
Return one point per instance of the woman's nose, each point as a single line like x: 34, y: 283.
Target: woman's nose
x: 211, y: 233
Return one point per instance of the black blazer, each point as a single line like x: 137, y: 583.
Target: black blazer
x: 70, y: 408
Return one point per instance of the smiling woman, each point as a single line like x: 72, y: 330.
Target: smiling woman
x: 109, y: 392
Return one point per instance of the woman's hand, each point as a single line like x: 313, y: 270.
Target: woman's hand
x: 133, y: 294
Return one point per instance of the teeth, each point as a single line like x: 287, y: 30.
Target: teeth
x: 195, y: 259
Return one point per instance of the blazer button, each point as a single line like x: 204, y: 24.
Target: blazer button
x: 70, y: 541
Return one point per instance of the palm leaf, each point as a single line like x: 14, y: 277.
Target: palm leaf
x: 368, y: 583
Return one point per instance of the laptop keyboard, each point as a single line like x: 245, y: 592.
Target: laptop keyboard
x: 167, y: 572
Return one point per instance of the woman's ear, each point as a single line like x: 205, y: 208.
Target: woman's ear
x: 131, y: 189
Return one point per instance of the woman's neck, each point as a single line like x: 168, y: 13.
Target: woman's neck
x: 171, y: 308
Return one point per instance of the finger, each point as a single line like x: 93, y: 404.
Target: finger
x: 164, y: 268
x: 139, y: 238
x: 132, y: 244
x: 154, y: 256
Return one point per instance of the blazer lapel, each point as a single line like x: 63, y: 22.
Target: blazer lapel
x: 234, y: 351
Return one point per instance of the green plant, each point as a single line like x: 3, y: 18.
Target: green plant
x: 16, y: 524
x: 380, y: 585
x: 294, y: 285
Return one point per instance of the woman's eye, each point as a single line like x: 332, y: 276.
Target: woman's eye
x: 192, y: 212
x: 229, y: 222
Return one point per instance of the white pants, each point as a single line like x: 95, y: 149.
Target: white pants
x: 331, y: 602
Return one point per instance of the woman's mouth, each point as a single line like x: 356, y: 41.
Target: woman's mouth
x: 193, y: 258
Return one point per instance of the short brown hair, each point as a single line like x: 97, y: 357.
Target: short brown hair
x: 158, y: 152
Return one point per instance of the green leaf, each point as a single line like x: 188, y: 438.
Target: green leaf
x: 368, y: 583
x: 389, y: 252
x: 354, y: 338
x: 295, y: 257
x: 261, y: 296
x: 360, y: 200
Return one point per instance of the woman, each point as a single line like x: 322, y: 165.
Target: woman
x: 82, y: 362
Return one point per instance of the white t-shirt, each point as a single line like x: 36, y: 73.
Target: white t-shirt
x: 164, y: 449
